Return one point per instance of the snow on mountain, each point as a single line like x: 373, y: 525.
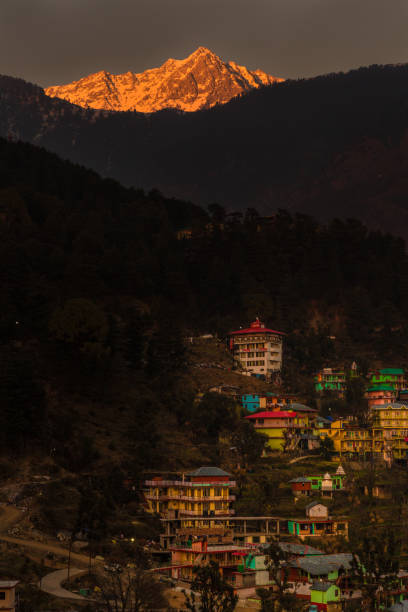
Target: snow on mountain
x: 199, y: 81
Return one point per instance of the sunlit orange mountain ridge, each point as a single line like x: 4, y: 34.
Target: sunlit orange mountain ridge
x: 199, y: 81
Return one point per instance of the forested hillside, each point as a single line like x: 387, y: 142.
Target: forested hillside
x: 97, y: 293
x: 329, y: 146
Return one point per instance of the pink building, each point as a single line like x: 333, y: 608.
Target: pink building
x: 381, y: 395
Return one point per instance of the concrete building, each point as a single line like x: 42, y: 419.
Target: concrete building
x: 395, y: 377
x: 257, y: 349
x: 329, y: 379
x: 284, y: 428
x: 202, y: 493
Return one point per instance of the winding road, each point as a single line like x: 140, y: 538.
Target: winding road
x: 51, y: 583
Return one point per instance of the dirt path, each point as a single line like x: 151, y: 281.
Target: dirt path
x: 51, y: 583
x: 296, y: 459
x: 9, y: 516
x: 40, y: 546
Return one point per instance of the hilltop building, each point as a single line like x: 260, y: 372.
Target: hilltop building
x: 257, y: 349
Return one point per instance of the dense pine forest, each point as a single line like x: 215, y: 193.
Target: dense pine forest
x: 99, y: 288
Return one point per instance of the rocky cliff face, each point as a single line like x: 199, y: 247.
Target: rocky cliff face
x: 199, y: 81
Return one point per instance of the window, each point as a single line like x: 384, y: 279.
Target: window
x: 2, y: 595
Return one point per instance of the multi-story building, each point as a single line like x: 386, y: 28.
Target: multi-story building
x: 329, y: 379
x: 386, y: 439
x: 202, y: 493
x: 185, y: 558
x: 284, y: 428
x: 390, y: 430
x: 257, y: 349
x: 389, y: 376
x: 378, y: 395
x: 349, y: 440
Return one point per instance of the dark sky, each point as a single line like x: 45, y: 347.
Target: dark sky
x: 56, y: 41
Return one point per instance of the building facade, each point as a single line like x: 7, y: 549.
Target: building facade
x: 257, y: 349
x: 284, y: 428
x: 202, y: 493
x: 329, y: 379
x: 389, y: 376
x: 386, y: 439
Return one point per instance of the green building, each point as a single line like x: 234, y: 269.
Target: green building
x: 389, y: 376
x: 324, y: 593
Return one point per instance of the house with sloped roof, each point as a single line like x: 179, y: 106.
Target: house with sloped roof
x: 325, y: 596
x: 319, y: 567
x: 317, y: 523
x: 316, y: 510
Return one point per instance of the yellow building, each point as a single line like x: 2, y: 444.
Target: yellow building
x: 386, y: 438
x: 202, y: 493
x: 284, y: 428
x: 390, y: 430
x: 348, y: 439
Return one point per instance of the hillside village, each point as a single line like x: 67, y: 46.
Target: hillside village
x: 177, y: 418
x: 329, y: 474
x: 199, y: 521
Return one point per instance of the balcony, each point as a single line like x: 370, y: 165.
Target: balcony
x: 188, y: 498
x: 185, y: 483
x: 208, y: 515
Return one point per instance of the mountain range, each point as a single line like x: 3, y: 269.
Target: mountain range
x: 202, y: 80
x: 331, y: 146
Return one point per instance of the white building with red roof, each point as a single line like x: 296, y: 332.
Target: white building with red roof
x: 257, y: 348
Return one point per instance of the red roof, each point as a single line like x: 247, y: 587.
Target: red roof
x: 256, y: 328
x: 272, y: 415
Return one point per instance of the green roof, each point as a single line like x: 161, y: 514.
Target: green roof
x: 208, y: 471
x: 396, y: 371
x: 383, y: 387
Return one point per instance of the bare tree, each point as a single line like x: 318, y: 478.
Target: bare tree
x: 125, y: 590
